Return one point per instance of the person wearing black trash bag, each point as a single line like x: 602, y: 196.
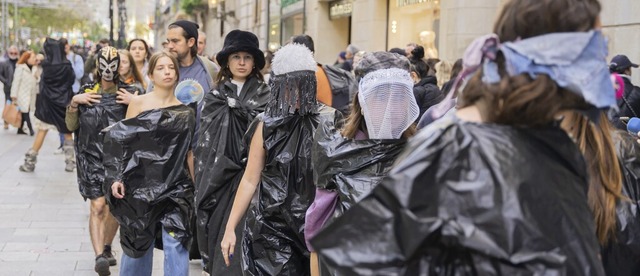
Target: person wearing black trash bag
x: 499, y: 188
x: 150, y: 184
x: 90, y: 111
x: 54, y: 95
x: 614, y: 190
x: 351, y: 162
x: 280, y: 161
x: 221, y: 155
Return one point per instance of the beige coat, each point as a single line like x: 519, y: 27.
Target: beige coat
x: 25, y: 87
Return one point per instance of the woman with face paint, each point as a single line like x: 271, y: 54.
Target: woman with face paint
x: 151, y: 189
x: 92, y: 110
x: 221, y: 154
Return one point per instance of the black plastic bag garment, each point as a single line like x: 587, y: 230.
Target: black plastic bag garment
x: 352, y: 168
x: 621, y: 256
x: 472, y: 199
x: 273, y: 242
x: 56, y: 86
x: 221, y: 157
x: 88, y: 143
x: 148, y: 154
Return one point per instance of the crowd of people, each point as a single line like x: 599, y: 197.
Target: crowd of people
x: 513, y: 160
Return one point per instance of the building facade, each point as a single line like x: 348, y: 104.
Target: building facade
x: 443, y: 27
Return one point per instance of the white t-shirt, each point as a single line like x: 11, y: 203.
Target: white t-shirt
x: 239, y: 85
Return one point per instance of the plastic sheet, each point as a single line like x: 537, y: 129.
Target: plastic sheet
x: 148, y: 154
x: 352, y: 168
x: 88, y: 143
x: 472, y: 199
x: 273, y: 242
x: 55, y: 86
x: 221, y: 157
x: 621, y: 256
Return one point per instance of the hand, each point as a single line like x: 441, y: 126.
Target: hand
x: 117, y: 190
x: 85, y: 98
x: 14, y: 101
x: 124, y: 96
x: 228, y: 244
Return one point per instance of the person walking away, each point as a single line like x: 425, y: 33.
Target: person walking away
x: 90, y: 111
x: 335, y: 86
x: 425, y: 87
x: 240, y: 95
x: 150, y: 184
x: 280, y: 160
x: 55, y: 95
x: 7, y: 69
x: 381, y: 120
x: 465, y: 197
x: 24, y: 88
x: 629, y: 104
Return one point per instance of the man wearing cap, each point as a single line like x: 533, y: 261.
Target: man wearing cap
x: 182, y: 38
x: 629, y: 104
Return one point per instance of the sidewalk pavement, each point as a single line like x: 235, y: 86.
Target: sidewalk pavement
x: 43, y: 219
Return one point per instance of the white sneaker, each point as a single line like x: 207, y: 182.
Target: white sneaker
x: 58, y: 151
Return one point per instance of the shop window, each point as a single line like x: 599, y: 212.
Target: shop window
x: 414, y: 21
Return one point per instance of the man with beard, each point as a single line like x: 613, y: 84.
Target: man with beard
x: 7, y: 67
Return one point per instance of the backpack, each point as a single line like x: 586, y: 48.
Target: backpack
x: 343, y: 87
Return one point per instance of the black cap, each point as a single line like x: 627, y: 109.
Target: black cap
x: 621, y: 62
x: 189, y: 27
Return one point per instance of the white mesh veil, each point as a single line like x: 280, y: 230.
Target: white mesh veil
x: 388, y: 104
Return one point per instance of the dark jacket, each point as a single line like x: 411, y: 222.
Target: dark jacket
x: 629, y: 105
x: 343, y: 86
x: 7, y: 68
x: 427, y: 93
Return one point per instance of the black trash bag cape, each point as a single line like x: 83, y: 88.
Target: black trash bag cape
x: 89, y: 142
x: 350, y: 167
x: 273, y: 242
x: 148, y: 154
x: 221, y: 157
x: 472, y: 199
x: 621, y: 256
x: 56, y: 88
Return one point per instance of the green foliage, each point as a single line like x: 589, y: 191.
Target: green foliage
x: 189, y: 5
x: 43, y: 21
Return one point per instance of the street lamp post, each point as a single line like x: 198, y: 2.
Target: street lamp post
x: 111, y: 20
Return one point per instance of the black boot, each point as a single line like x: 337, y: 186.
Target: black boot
x: 109, y: 255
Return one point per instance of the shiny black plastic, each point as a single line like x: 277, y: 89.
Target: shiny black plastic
x: 621, y: 256
x: 55, y: 86
x: 148, y: 154
x: 472, y: 199
x: 273, y: 242
x: 221, y: 157
x: 88, y: 142
x: 352, y: 168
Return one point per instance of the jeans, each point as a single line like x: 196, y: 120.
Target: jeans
x: 176, y: 260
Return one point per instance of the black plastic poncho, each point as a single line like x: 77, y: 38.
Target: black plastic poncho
x: 220, y: 160
x: 148, y: 154
x: 352, y: 168
x: 89, y: 141
x: 56, y: 88
x: 621, y: 256
x: 472, y: 199
x: 273, y: 242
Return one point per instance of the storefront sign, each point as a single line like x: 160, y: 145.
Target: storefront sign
x: 341, y: 8
x: 402, y: 3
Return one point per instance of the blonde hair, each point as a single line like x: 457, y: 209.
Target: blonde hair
x: 443, y: 72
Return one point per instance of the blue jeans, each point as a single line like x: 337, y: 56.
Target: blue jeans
x: 176, y: 260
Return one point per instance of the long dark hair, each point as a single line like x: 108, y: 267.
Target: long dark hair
x: 226, y: 75
x: 146, y: 47
x: 520, y: 100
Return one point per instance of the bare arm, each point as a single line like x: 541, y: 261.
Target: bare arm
x: 134, y: 107
x: 190, y: 165
x: 247, y: 188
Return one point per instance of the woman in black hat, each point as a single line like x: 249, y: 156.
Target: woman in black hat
x: 240, y: 94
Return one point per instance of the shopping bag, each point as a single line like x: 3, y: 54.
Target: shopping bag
x: 11, y: 114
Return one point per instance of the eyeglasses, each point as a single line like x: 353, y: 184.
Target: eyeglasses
x: 13, y: 53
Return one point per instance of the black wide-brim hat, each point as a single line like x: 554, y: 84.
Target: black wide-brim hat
x: 241, y: 41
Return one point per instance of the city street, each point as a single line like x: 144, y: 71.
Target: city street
x: 43, y: 219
